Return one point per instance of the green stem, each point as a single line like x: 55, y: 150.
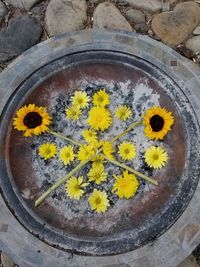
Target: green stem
x: 65, y: 138
x: 150, y: 180
x: 126, y: 131
x: 59, y: 183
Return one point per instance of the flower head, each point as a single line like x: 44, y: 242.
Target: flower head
x: 80, y: 99
x: 97, y: 174
x: 108, y: 149
x: 101, y: 98
x: 127, y: 151
x: 75, y: 187
x: 32, y: 120
x: 85, y: 152
x: 123, y: 113
x: 99, y: 118
x: 89, y: 135
x: 158, y: 122
x: 67, y: 154
x: 73, y: 113
x: 47, y: 150
x: 97, y: 161
x: 126, y: 185
x: 99, y: 201
x: 156, y: 157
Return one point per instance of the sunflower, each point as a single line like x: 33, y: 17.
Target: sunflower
x: 158, y: 122
x: 32, y: 120
x: 85, y: 152
x: 127, y: 151
x: 99, y: 118
x: 156, y: 157
x: 73, y: 113
x: 67, y: 154
x: 89, y: 135
x: 75, y: 187
x: 47, y: 150
x: 123, y: 113
x: 80, y: 99
x: 101, y: 98
x: 126, y: 185
x: 99, y: 201
x: 108, y: 149
x: 97, y: 174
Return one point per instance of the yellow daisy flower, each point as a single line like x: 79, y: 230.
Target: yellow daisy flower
x: 123, y: 113
x: 75, y: 187
x: 97, y: 174
x: 47, y: 150
x: 158, y: 122
x: 156, y: 157
x: 89, y: 135
x: 99, y: 118
x: 126, y: 185
x: 80, y: 99
x: 67, y: 154
x: 32, y: 120
x: 127, y: 151
x: 73, y: 113
x: 101, y: 98
x: 99, y: 201
x: 98, y: 161
x: 108, y: 150
x: 85, y: 152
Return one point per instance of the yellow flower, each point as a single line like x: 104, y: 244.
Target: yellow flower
x: 99, y: 201
x: 97, y: 174
x: 156, y: 157
x: 101, y: 98
x: 32, y: 120
x: 98, y: 161
x: 126, y: 185
x: 99, y: 118
x: 74, y: 187
x: 73, y: 113
x: 123, y: 113
x: 89, y: 135
x: 80, y: 99
x: 67, y: 154
x: 158, y: 122
x: 47, y: 150
x: 108, y: 150
x: 127, y: 151
x: 86, y: 152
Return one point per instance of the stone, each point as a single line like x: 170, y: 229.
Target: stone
x: 189, y: 262
x: 2, y: 11
x: 23, y: 4
x: 150, y: 5
x: 107, y: 16
x: 65, y: 16
x: 135, y: 16
x: 142, y: 28
x: 193, y: 44
x: 197, y: 31
x: 6, y: 260
x: 175, y: 26
x: 22, y: 33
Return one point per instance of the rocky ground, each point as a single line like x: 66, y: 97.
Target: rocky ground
x: 23, y: 23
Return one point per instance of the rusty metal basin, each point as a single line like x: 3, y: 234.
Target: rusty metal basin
x: 133, y: 223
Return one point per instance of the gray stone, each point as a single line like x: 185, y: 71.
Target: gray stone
x: 23, y: 4
x: 175, y: 26
x: 106, y: 15
x: 142, y: 28
x: 193, y: 44
x: 2, y: 11
x: 65, y: 16
x: 189, y: 262
x: 151, y: 5
x: 6, y: 260
x: 197, y: 31
x: 22, y: 33
x: 135, y: 16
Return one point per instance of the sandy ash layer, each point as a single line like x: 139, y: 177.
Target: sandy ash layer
x: 50, y: 171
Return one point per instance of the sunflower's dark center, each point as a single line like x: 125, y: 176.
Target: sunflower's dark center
x: 32, y: 120
x: 156, y: 123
